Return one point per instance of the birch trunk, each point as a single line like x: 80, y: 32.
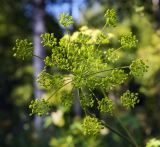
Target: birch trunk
x: 38, y: 29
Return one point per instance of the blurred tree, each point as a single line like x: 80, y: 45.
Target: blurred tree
x: 16, y: 78
x: 38, y: 65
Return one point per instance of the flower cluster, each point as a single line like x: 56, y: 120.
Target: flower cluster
x: 23, y: 49
x: 128, y: 41
x: 91, y: 125
x: 118, y: 76
x: 86, y: 100
x: 129, y: 99
x: 48, y: 61
x: 106, y: 105
x: 102, y: 38
x: 65, y: 19
x: 111, y: 17
x: 110, y: 55
x: 39, y: 107
x: 48, y: 81
x: 48, y: 40
x: 90, y: 66
x: 138, y: 67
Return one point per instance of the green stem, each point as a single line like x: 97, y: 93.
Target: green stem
x: 58, y: 90
x: 117, y: 49
x: 119, y: 134
x: 114, y: 130
x: 102, y: 31
x: 127, y: 132
x: 93, y: 93
x: 107, y: 70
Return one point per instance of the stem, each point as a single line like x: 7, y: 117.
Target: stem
x: 127, y: 132
x: 102, y: 31
x: 119, y: 134
x: 38, y: 57
x: 114, y: 130
x: 93, y: 93
x: 108, y: 70
x: 58, y: 90
x: 117, y: 49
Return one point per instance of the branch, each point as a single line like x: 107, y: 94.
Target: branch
x: 38, y: 57
x: 107, y: 70
x: 101, y: 31
x: 114, y: 130
x: 58, y: 90
x: 119, y: 134
x: 128, y: 133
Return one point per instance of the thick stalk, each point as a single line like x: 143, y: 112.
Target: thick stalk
x: 131, y: 139
x: 119, y: 134
x: 58, y: 90
x: 127, y: 132
x: 124, y: 67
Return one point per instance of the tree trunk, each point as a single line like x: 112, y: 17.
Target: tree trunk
x: 76, y: 106
x: 38, y: 29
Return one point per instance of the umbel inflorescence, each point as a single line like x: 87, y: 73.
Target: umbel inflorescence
x: 83, y: 64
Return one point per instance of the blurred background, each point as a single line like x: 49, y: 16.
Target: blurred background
x: 30, y: 18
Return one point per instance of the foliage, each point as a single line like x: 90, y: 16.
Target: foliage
x: 72, y: 136
x: 153, y: 143
x: 67, y: 99
x: 80, y: 55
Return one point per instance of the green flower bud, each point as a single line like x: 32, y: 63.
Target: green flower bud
x: 138, y: 68
x: 65, y: 19
x: 106, y: 105
x: 48, y: 40
x: 91, y: 126
x: 23, y: 49
x: 40, y: 107
x: 129, y: 100
x: 111, y: 17
x: 128, y: 41
x: 67, y: 99
x: 48, y: 81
